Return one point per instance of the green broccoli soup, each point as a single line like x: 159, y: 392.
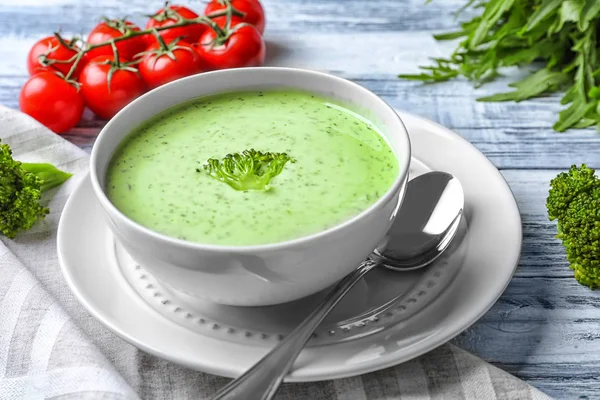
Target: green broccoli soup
x: 250, y: 168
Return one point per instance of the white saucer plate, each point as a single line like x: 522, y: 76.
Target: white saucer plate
x: 221, y: 340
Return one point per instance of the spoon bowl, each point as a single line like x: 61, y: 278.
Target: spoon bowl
x: 425, y: 225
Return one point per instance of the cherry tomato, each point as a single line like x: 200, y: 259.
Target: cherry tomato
x: 244, y: 48
x: 159, y: 68
x: 127, y: 48
x: 189, y: 33
x: 255, y: 14
x: 52, y: 101
x: 54, y: 50
x: 105, y: 101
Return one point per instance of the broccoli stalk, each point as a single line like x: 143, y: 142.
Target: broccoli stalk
x: 249, y: 170
x: 574, y: 200
x: 21, y: 187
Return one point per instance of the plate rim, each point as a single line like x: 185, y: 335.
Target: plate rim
x: 305, y: 373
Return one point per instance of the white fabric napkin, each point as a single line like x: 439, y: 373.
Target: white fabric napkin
x: 51, y: 348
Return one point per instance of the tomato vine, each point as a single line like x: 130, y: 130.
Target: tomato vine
x: 121, y: 26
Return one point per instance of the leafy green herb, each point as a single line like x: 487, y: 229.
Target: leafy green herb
x: 574, y: 200
x: 21, y: 188
x: 249, y: 170
x: 559, y: 34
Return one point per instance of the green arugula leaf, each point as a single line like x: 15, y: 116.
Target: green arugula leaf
x: 443, y: 71
x: 543, y: 11
x: 585, y: 123
x: 594, y: 93
x: 433, y: 77
x: 589, y: 13
x: 573, y: 115
x: 450, y: 35
x: 494, y: 10
x: 584, y: 83
x: 570, y: 11
x: 534, y: 85
x: 527, y: 55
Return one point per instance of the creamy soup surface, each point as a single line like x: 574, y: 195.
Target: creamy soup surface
x: 342, y: 166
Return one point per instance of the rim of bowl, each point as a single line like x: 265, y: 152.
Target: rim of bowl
x: 402, y: 159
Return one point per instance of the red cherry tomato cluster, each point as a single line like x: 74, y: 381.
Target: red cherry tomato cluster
x: 120, y: 61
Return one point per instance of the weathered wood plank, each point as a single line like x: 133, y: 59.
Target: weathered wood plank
x: 544, y: 320
x: 561, y: 381
x: 298, y: 16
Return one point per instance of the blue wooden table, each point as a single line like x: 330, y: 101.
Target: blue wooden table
x: 545, y: 328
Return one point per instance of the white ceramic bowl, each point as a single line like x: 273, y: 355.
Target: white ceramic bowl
x: 264, y: 274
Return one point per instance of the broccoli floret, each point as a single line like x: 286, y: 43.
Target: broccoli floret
x: 249, y: 170
x: 574, y: 200
x: 21, y: 188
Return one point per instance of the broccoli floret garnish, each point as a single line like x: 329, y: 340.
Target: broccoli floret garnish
x: 574, y: 200
x: 249, y: 170
x: 21, y: 187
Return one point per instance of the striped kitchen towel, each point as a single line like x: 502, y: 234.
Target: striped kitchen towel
x: 51, y: 348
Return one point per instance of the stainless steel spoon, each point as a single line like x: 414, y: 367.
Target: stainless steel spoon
x: 424, y: 227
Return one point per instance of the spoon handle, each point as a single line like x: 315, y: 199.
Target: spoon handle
x: 262, y: 380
